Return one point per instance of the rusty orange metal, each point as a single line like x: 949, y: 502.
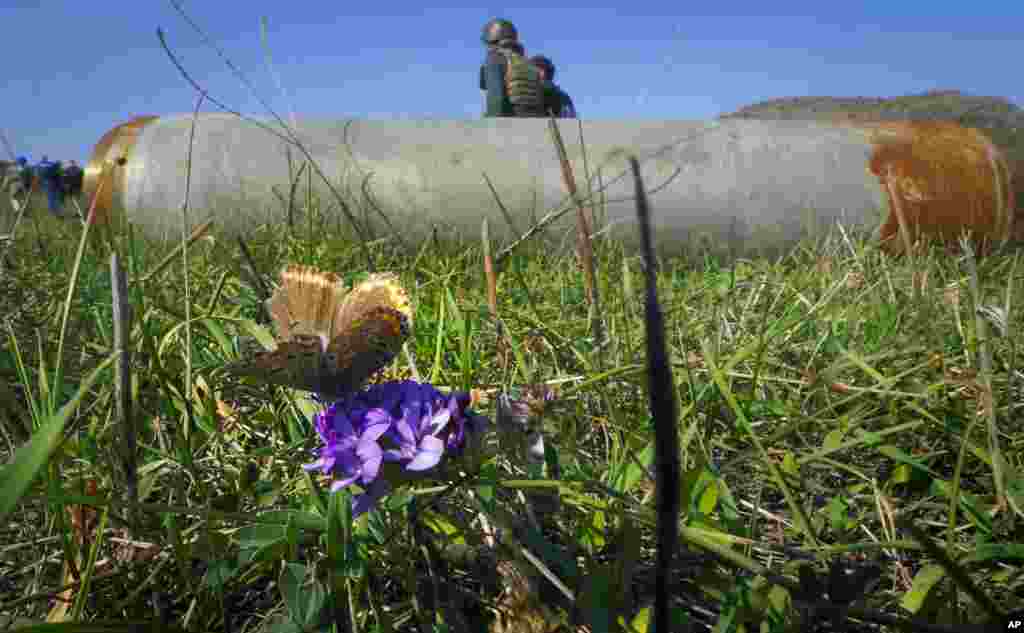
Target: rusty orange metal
x: 944, y: 179
x: 1017, y: 176
x: 108, y: 160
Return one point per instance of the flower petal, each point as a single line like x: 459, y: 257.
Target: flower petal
x: 375, y: 430
x: 338, y: 484
x: 438, y: 422
x: 371, y: 455
x: 341, y: 424
x: 405, y: 431
x: 429, y: 454
x: 378, y: 415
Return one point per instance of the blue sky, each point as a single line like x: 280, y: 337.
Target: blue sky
x: 72, y: 70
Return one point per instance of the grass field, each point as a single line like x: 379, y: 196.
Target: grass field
x: 849, y: 429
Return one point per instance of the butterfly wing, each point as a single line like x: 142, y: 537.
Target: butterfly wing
x: 379, y: 290
x: 330, y: 341
x: 297, y: 363
x: 306, y: 302
x: 363, y: 350
x: 372, y: 322
x: 303, y: 309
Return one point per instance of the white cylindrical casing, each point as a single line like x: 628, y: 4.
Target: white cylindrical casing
x: 746, y: 184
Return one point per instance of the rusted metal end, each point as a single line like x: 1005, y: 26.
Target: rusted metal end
x: 945, y: 179
x: 1017, y: 178
x: 109, y: 157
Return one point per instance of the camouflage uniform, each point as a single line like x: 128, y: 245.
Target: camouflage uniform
x: 556, y: 101
x: 512, y: 84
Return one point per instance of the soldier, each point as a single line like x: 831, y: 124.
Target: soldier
x: 513, y: 85
x: 26, y: 174
x: 72, y: 180
x: 556, y: 101
x: 49, y: 177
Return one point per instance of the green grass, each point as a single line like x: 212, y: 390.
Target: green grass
x: 826, y: 386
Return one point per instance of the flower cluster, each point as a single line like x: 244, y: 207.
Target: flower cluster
x: 408, y: 423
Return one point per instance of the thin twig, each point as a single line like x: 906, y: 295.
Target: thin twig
x: 986, y: 397
x: 555, y: 214
x: 586, y: 171
x: 489, y: 274
x: 122, y: 334
x: 290, y: 136
x: 901, y: 218
x: 501, y: 206
x: 292, y: 188
x: 583, y: 244
x: 252, y: 272
x: 185, y: 241
x: 166, y: 261
x: 370, y: 200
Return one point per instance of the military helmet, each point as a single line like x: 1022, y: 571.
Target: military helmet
x: 544, y: 64
x: 497, y: 30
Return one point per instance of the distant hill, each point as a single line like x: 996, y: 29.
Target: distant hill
x: 1001, y: 119
x: 944, y: 105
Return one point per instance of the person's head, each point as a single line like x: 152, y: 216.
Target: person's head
x: 500, y: 33
x: 45, y: 159
x: 21, y: 160
x: 545, y: 66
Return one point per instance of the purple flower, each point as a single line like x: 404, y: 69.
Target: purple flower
x: 457, y: 405
x: 428, y: 422
x: 350, y: 451
x: 415, y: 422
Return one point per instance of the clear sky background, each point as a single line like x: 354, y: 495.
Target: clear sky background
x: 73, y: 70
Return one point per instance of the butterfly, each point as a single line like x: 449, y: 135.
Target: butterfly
x: 330, y: 340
